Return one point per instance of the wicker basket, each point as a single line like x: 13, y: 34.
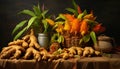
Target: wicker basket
x: 71, y: 40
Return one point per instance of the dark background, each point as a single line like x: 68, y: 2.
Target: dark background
x: 107, y: 12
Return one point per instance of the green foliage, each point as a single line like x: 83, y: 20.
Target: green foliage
x: 57, y: 38
x: 93, y: 36
x: 61, y: 16
x: 87, y: 37
x: 20, y: 33
x: 80, y: 16
x: 19, y: 26
x: 73, y: 10
x: 36, y: 18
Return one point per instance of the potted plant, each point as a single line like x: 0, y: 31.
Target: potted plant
x: 38, y: 20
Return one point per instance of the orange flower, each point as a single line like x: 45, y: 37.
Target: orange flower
x: 90, y: 16
x: 69, y: 17
x: 99, y: 28
x: 59, y: 29
x: 67, y: 26
x: 84, y: 27
x: 50, y: 21
x: 75, y: 26
x: 79, y: 9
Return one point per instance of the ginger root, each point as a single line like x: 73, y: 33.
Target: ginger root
x: 19, y: 42
x: 31, y: 52
x: 89, y: 51
x: 32, y: 40
x: 12, y: 52
x: 79, y: 51
x: 46, y: 55
x: 25, y: 47
x: 28, y: 48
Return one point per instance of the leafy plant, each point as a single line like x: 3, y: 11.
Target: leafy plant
x: 37, y: 21
x: 79, y: 23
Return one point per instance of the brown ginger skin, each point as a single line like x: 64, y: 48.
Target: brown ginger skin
x: 25, y: 47
x: 11, y: 52
x: 32, y: 52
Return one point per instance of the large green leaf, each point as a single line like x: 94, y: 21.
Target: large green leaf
x: 37, y: 10
x: 93, y: 36
x: 20, y: 33
x: 28, y: 12
x: 31, y: 21
x: 18, y: 26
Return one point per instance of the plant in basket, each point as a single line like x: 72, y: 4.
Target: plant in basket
x: 78, y: 27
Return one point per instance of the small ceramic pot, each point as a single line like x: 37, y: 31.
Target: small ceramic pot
x: 43, y: 40
x: 105, y: 43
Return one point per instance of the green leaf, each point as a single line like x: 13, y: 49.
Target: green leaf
x: 54, y: 37
x: 59, y: 40
x: 28, y: 12
x: 31, y: 21
x: 86, y: 38
x: 72, y: 11
x: 37, y: 10
x: 44, y: 13
x: 82, y: 14
x: 46, y: 25
x: 74, y: 4
x: 93, y: 36
x: 18, y: 26
x: 57, y: 37
x: 61, y: 16
x: 62, y: 38
x: 85, y: 12
x: 20, y: 33
x: 75, y: 7
x: 81, y: 40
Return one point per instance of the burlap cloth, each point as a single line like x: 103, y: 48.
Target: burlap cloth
x: 83, y: 63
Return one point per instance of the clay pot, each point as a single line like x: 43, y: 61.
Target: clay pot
x: 105, y: 43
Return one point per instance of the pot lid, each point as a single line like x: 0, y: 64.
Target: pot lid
x: 104, y: 37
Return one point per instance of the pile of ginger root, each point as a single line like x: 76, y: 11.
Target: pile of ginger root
x: 27, y: 48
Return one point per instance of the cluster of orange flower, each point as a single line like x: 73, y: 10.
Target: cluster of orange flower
x: 82, y: 24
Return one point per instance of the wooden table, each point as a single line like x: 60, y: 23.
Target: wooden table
x: 83, y: 63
